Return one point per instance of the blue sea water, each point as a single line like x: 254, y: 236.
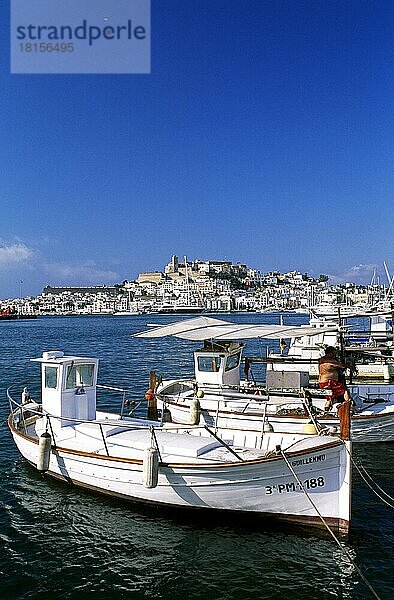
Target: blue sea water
x: 57, y: 541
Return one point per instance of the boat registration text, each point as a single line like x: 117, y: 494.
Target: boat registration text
x: 308, y: 484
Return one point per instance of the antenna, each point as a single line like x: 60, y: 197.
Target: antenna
x: 387, y: 272
x: 390, y: 280
x: 187, y: 282
x: 373, y: 280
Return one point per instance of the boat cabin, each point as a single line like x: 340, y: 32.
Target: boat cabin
x: 311, y: 346
x: 381, y: 326
x: 68, y: 386
x: 217, y: 363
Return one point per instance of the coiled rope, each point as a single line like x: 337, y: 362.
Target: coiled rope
x: 344, y: 551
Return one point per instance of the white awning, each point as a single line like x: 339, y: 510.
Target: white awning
x: 354, y: 315
x: 206, y: 328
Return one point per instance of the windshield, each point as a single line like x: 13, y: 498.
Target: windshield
x: 78, y: 375
x: 232, y: 361
x: 51, y: 377
x: 209, y: 364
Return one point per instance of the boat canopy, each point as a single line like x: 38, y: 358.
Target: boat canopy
x: 205, y: 328
x: 357, y: 314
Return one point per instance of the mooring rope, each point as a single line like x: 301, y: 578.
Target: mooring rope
x: 153, y: 434
x: 344, y: 551
x: 391, y: 505
x: 377, y: 485
x: 319, y: 428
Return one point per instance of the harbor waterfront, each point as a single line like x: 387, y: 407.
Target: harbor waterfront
x: 59, y: 540
x: 210, y: 286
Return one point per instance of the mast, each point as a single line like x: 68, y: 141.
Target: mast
x: 390, y: 281
x: 187, y: 282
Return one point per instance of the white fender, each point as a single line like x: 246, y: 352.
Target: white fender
x: 44, y: 452
x: 150, y: 472
x: 195, y: 411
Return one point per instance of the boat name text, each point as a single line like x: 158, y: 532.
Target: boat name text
x: 307, y: 461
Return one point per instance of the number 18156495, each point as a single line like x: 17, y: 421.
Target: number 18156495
x: 46, y: 47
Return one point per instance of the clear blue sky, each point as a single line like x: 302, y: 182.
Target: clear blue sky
x: 264, y: 134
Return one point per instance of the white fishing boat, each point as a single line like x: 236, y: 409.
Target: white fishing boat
x: 302, y: 479
x: 285, y: 402
x: 372, y: 355
x: 177, y: 307
x: 329, y: 310
x: 127, y: 313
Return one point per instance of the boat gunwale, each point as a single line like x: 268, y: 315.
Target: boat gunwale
x: 291, y: 454
x: 249, y: 414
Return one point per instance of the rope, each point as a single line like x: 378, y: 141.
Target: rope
x: 153, y: 434
x: 136, y: 407
x: 261, y: 347
x: 306, y: 395
x: 344, y: 551
x: 223, y: 443
x: 377, y: 485
x: 389, y: 504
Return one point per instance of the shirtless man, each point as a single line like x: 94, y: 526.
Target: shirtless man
x: 329, y: 375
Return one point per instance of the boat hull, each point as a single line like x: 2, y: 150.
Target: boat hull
x: 367, y: 428
x: 379, y: 371
x: 266, y: 486
x: 244, y: 415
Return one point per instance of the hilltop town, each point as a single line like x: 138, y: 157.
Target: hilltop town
x: 196, y: 286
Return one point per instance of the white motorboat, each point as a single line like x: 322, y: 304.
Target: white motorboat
x: 302, y: 479
x: 178, y: 308
x: 371, y: 359
x: 328, y: 310
x: 286, y: 402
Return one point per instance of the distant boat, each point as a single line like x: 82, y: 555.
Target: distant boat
x: 11, y: 314
x: 327, y: 310
x: 372, y: 361
x: 178, y: 308
x: 127, y: 313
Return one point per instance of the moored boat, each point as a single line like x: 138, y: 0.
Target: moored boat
x: 371, y: 354
x: 302, y: 479
x: 285, y: 402
x: 11, y: 314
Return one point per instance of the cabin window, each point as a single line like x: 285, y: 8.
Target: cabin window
x: 209, y: 364
x: 177, y: 388
x: 78, y: 375
x: 51, y: 377
x: 232, y: 361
